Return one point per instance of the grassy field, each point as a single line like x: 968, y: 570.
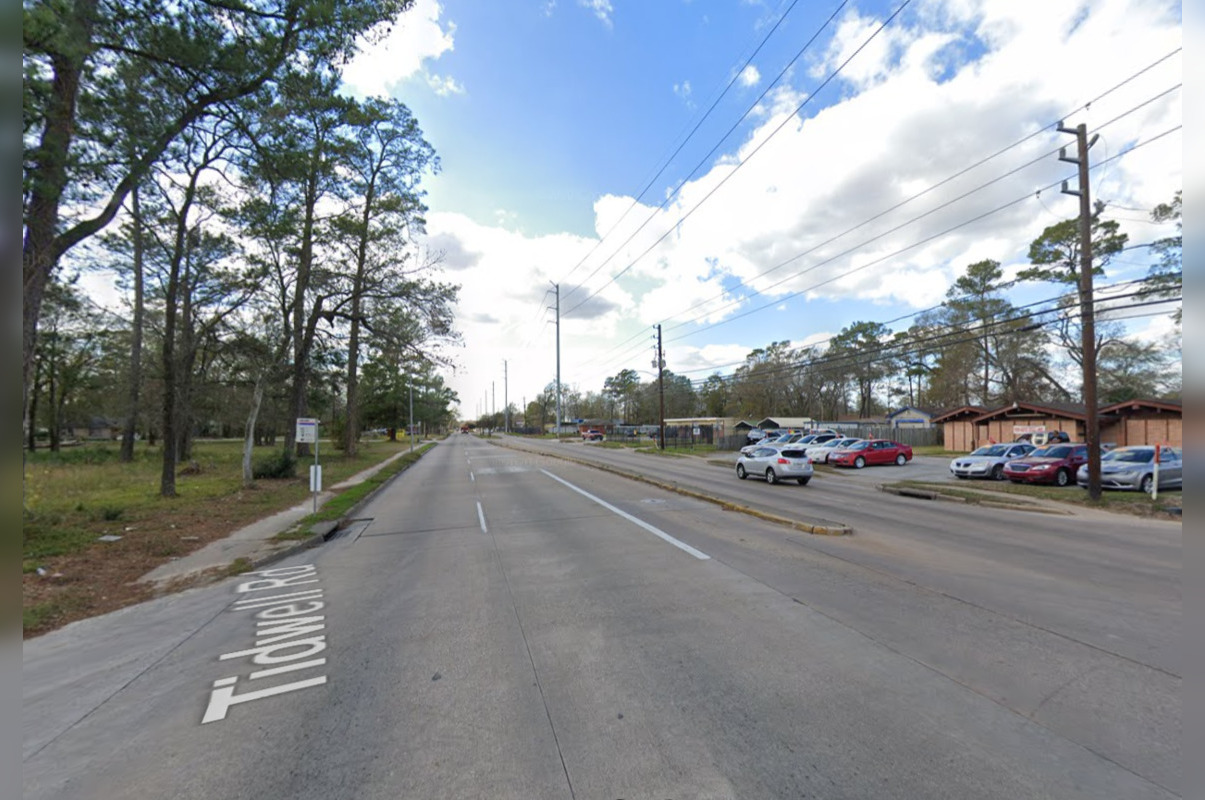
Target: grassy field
x: 76, y: 496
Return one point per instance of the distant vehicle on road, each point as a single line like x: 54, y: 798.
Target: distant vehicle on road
x: 1054, y: 463
x: 989, y: 461
x: 789, y: 463
x: 1134, y: 468
x: 592, y: 436
x: 871, y: 451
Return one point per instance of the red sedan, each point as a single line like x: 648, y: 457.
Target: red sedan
x: 1054, y: 463
x: 872, y: 451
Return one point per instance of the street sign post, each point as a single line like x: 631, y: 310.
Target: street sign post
x: 307, y: 433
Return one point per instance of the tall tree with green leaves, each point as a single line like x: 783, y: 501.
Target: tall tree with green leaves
x: 862, y: 349
x: 622, y: 389
x: 386, y: 158
x: 1166, y: 278
x: 80, y: 163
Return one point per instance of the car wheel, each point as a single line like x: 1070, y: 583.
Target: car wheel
x: 771, y: 476
x: 998, y: 472
x: 740, y: 471
x: 804, y: 481
x: 859, y: 462
x: 1062, y: 477
x: 900, y: 460
x: 1147, y: 483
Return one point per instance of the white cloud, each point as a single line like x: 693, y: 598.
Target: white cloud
x: 749, y: 76
x: 601, y: 8
x: 444, y: 85
x: 683, y: 91
x: 882, y: 197
x: 401, y: 52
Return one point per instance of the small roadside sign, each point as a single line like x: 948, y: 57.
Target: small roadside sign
x: 307, y: 430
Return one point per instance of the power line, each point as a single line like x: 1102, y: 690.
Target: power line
x: 747, y: 159
x: 911, y: 199
x: 664, y: 166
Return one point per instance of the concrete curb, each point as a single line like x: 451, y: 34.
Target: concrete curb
x: 272, y: 550
x: 325, y: 530
x: 929, y: 494
x: 727, y: 505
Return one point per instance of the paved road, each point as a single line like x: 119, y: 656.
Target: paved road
x: 505, y: 624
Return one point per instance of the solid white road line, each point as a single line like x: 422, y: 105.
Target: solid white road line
x: 651, y: 529
x: 481, y: 518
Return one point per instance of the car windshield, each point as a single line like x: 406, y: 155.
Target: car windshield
x: 1128, y: 456
x: 1053, y: 451
x: 843, y: 442
x: 859, y: 445
x: 991, y: 450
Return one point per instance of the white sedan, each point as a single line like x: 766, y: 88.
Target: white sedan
x: 988, y: 461
x: 819, y: 453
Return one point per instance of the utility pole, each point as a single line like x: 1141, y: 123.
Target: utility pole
x: 660, y: 365
x: 410, y: 381
x: 557, y: 287
x: 505, y: 395
x: 1086, y: 305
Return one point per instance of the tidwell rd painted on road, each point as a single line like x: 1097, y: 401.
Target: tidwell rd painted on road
x: 283, y: 645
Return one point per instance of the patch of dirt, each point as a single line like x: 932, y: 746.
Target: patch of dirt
x: 104, y: 577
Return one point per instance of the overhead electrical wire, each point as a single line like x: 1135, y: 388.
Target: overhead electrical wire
x: 935, y: 186
x: 895, y: 253
x: 832, y: 75
x: 665, y: 165
x: 943, y: 338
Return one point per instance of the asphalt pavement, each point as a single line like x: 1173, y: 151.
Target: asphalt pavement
x: 506, y: 624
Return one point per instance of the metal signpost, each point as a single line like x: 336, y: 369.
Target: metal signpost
x: 307, y: 433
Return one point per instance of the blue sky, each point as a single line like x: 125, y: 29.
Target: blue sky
x: 831, y: 202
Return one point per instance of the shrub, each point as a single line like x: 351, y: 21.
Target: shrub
x: 281, y: 464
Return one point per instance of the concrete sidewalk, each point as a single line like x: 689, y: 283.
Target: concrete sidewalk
x: 256, y: 542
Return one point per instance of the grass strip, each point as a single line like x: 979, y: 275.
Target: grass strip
x: 339, y: 506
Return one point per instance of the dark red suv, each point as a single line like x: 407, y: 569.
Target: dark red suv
x: 1054, y: 463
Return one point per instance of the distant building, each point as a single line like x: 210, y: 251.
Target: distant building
x: 910, y: 417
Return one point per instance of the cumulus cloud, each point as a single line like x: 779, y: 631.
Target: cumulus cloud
x: 444, y: 85
x: 401, y: 52
x: 601, y: 8
x: 749, y: 76
x: 929, y: 155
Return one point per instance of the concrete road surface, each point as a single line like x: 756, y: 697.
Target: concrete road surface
x: 502, y: 624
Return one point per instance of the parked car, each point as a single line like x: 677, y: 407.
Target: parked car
x: 775, y: 465
x: 1054, y: 463
x: 871, y: 451
x: 1045, y: 437
x: 779, y: 441
x: 989, y: 461
x: 1134, y: 468
x: 819, y: 453
x: 592, y: 436
x: 754, y: 436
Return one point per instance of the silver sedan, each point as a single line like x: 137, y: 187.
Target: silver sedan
x: 775, y: 465
x: 988, y: 461
x: 1134, y: 468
